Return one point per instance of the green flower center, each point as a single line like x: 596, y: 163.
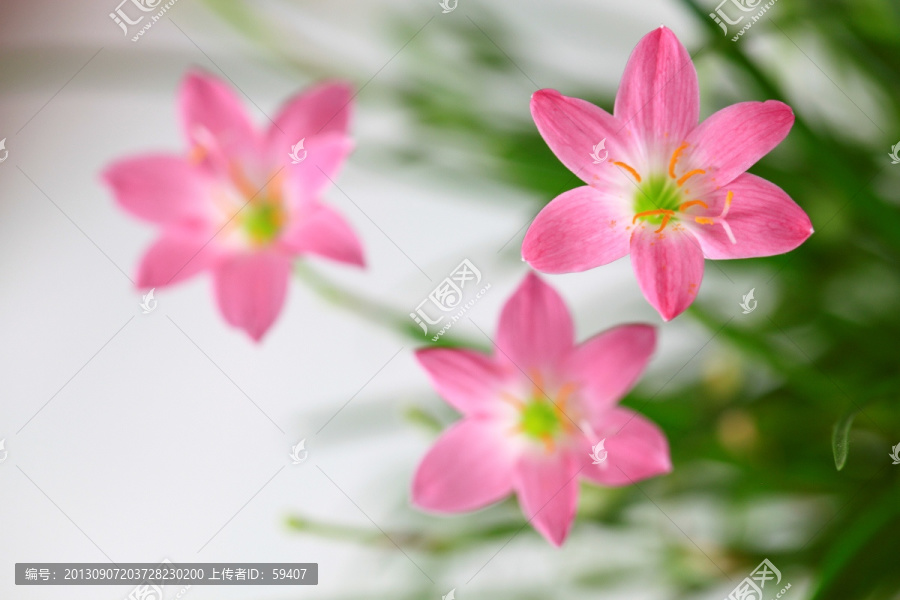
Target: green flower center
x: 658, y: 199
x: 262, y: 221
x: 658, y: 192
x: 540, y: 419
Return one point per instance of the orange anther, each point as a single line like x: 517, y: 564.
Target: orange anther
x: 549, y: 446
x: 690, y: 203
x: 650, y: 213
x: 510, y: 399
x: 275, y: 185
x: 628, y: 168
x: 563, y: 395
x: 667, y: 214
x: 242, y: 183
x: 688, y: 175
x: 197, y: 154
x: 674, y: 160
x: 665, y: 222
x: 537, y: 384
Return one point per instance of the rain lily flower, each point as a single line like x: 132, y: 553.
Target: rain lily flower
x: 666, y: 189
x: 242, y: 204
x: 534, y: 412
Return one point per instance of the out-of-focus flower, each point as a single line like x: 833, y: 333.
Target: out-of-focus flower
x: 671, y: 192
x: 238, y: 205
x: 533, y: 411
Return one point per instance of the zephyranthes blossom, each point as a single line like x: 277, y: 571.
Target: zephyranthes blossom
x: 671, y: 191
x: 241, y: 203
x: 533, y: 411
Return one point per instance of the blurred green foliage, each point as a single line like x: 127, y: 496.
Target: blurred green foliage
x: 755, y: 422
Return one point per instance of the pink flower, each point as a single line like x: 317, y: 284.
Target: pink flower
x: 533, y: 411
x: 670, y: 192
x: 237, y: 204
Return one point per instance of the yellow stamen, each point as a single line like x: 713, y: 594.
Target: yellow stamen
x: 197, y: 154
x: 509, y: 398
x: 667, y: 214
x: 628, y: 168
x: 674, y: 160
x: 242, y: 183
x: 721, y: 218
x: 650, y: 213
x: 665, y: 222
x: 275, y: 185
x: 548, y: 444
x: 563, y: 396
x: 537, y: 384
x: 689, y: 203
x: 690, y: 174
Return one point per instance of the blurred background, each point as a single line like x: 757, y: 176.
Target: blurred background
x: 137, y: 437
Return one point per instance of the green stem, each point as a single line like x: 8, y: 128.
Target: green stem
x: 372, y: 310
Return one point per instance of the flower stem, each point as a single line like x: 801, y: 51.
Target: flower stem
x: 369, y: 309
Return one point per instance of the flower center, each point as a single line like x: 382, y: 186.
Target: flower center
x: 540, y: 419
x: 262, y: 221
x: 657, y: 200
x: 660, y: 198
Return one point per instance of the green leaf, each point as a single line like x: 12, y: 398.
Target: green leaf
x: 840, y: 438
x: 861, y: 556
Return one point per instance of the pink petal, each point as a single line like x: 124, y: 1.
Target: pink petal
x: 573, y: 127
x: 175, y: 257
x: 325, y: 108
x: 731, y: 140
x: 535, y: 329
x: 468, y: 468
x: 669, y: 267
x: 319, y: 229
x: 250, y: 290
x: 159, y: 188
x: 659, y: 97
x: 635, y: 449
x: 215, y: 123
x: 468, y: 380
x: 608, y: 365
x: 548, y: 493
x: 324, y: 155
x: 763, y: 218
x: 579, y: 230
